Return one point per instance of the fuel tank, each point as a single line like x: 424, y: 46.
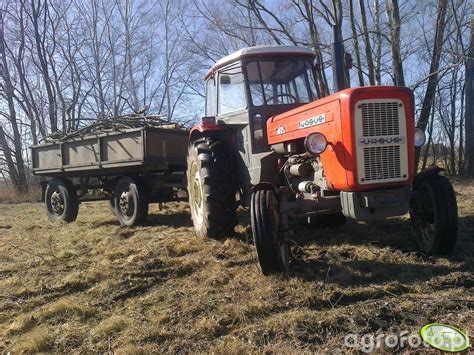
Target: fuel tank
x: 370, y: 134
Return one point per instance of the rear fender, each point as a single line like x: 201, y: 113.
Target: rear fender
x: 209, y: 130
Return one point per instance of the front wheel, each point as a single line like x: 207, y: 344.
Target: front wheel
x: 61, y: 201
x: 434, y: 214
x: 273, y: 253
x: 131, y: 205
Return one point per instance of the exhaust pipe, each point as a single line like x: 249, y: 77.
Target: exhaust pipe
x: 339, y: 82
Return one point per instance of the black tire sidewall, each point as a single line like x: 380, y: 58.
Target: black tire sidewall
x: 139, y: 200
x: 68, y: 193
x: 444, y: 204
x: 264, y: 229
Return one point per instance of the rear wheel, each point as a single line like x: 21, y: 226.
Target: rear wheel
x: 273, y: 254
x: 131, y: 204
x: 211, y: 189
x: 435, y: 215
x: 61, y: 201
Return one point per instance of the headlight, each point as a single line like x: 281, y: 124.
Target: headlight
x: 419, y: 137
x: 315, y: 143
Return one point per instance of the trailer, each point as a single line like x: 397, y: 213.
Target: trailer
x: 130, y: 165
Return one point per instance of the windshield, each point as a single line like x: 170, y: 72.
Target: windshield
x: 280, y: 82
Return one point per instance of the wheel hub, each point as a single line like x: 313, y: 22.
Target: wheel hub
x: 57, y: 202
x: 126, y: 203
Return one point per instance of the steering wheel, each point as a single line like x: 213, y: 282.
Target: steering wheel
x: 283, y: 95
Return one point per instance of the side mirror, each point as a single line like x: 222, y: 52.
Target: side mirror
x: 225, y: 80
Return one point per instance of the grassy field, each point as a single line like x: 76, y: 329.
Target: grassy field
x: 94, y: 286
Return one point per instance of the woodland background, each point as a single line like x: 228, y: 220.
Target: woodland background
x: 64, y: 63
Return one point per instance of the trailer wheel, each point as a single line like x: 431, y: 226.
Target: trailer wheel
x: 131, y: 202
x: 273, y: 254
x: 210, y: 188
x: 61, y: 201
x: 434, y: 214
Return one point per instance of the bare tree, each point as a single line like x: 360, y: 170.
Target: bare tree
x: 393, y: 15
x: 378, y: 44
x: 308, y: 15
x: 16, y: 169
x: 39, y: 11
x: 469, y: 102
x: 427, y: 103
x: 355, y: 38
x: 368, y: 46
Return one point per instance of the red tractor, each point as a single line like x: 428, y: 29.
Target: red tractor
x: 270, y: 142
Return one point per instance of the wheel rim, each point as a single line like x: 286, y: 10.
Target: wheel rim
x: 427, y: 233
x: 126, y: 203
x: 57, y: 203
x: 196, y: 195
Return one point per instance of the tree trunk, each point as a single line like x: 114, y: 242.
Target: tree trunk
x: 378, y: 44
x: 393, y: 14
x: 469, y: 102
x: 433, y: 75
x: 429, y: 141
x: 360, y: 74
x: 368, y: 47
x: 16, y: 169
x: 313, y: 30
x: 41, y: 52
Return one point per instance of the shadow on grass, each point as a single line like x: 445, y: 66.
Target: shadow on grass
x: 174, y: 219
x: 340, y: 265
x: 318, y: 258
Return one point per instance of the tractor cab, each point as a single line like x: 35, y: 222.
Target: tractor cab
x: 247, y: 87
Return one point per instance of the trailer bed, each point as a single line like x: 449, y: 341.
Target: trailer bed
x: 135, y: 150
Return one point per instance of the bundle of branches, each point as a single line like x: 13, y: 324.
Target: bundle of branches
x: 113, y: 124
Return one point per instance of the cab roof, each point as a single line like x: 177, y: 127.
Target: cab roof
x: 263, y: 51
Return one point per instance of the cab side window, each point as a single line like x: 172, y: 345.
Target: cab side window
x: 231, y: 88
x: 211, y: 97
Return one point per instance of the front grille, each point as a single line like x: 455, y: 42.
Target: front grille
x: 382, y: 162
x: 380, y: 119
x: 381, y: 136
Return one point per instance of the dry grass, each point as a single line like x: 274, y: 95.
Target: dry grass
x: 93, y: 286
x: 9, y: 195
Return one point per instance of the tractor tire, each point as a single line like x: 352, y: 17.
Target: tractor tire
x: 273, y: 255
x: 131, y: 202
x: 434, y: 214
x: 61, y: 201
x: 211, y: 188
